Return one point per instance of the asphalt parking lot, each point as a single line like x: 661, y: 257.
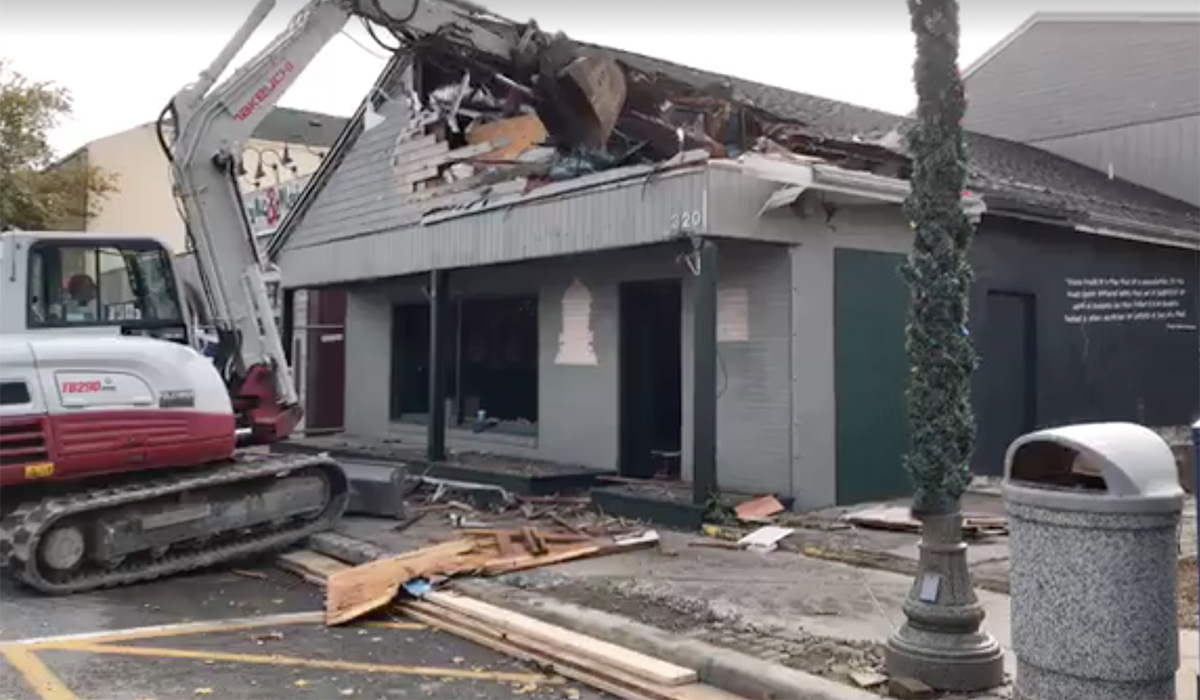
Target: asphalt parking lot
x: 237, y: 636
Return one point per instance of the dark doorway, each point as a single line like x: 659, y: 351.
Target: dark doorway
x: 326, y: 368
x: 651, y: 381
x: 1007, y: 406
x: 410, y: 361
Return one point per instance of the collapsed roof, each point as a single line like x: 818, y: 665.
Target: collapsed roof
x: 476, y: 134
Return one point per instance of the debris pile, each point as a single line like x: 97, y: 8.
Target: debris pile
x: 478, y: 137
x: 899, y: 519
x: 351, y: 592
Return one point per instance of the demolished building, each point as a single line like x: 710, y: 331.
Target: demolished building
x: 679, y: 273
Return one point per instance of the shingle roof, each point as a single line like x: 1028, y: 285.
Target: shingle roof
x: 1011, y: 171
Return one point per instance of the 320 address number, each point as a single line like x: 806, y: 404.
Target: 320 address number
x: 685, y: 220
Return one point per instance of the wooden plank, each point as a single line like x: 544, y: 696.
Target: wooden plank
x: 311, y: 566
x: 602, y: 676
x: 627, y: 660
x: 474, y: 633
x: 358, y: 590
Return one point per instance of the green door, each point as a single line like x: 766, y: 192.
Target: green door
x: 870, y: 375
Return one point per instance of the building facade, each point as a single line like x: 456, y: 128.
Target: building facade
x: 286, y: 148
x: 1117, y: 92
x: 732, y: 304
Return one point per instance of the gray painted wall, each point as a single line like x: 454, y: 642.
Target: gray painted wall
x: 632, y: 212
x: 1062, y: 78
x: 776, y: 421
x: 578, y: 406
x: 1162, y: 155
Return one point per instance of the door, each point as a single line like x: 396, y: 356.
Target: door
x: 651, y: 378
x: 1007, y: 400
x: 326, y: 366
x: 871, y: 370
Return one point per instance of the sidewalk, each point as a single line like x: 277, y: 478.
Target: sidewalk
x: 823, y: 617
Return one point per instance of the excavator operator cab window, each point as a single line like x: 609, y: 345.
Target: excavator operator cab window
x: 129, y: 284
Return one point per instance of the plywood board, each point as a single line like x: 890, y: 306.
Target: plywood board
x: 358, y: 590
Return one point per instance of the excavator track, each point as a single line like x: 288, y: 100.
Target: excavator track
x: 21, y: 531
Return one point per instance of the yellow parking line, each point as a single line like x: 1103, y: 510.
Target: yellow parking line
x: 179, y: 629
x: 36, y: 674
x: 273, y: 660
x: 392, y: 625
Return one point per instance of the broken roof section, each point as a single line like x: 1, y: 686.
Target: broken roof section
x: 474, y: 137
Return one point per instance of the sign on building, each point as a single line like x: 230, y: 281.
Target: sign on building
x: 266, y: 206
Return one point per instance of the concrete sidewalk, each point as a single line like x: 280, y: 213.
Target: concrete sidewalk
x: 823, y: 617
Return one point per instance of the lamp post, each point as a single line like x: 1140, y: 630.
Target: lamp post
x: 284, y: 160
x: 941, y: 642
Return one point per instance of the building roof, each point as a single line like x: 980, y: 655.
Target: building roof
x: 1011, y: 172
x: 1012, y: 177
x: 1062, y: 20
x: 287, y: 125
x: 1064, y: 75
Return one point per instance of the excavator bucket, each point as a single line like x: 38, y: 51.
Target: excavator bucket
x: 600, y: 84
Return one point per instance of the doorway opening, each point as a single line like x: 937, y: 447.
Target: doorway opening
x: 651, y: 379
x: 1008, y: 377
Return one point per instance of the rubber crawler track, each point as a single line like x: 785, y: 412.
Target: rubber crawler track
x: 21, y: 531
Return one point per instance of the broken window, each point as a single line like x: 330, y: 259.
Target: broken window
x: 491, y: 356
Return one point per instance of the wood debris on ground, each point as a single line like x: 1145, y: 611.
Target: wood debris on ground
x: 758, y: 510
x: 554, y: 650
x: 351, y: 593
x: 898, y: 518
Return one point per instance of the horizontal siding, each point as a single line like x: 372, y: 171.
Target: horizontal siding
x: 626, y: 214
x: 1164, y: 155
x: 1064, y: 78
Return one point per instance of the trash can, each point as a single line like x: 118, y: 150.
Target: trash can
x: 1093, y: 514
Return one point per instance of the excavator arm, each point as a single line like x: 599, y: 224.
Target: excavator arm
x: 202, y: 131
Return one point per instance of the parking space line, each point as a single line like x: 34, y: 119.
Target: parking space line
x: 393, y: 625
x: 178, y: 629
x: 37, y: 675
x: 273, y: 660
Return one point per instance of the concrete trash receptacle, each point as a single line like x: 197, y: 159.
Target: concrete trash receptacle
x: 1093, y: 517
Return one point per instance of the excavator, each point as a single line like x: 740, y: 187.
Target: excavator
x: 125, y: 454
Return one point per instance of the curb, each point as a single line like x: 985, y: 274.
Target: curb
x: 728, y: 670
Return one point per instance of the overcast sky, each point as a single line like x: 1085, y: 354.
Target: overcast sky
x: 122, y: 59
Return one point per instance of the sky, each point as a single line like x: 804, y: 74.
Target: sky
x: 122, y: 60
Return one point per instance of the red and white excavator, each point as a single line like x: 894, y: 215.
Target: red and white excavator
x: 120, y: 444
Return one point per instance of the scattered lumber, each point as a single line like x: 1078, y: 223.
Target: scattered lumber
x: 356, y: 591
x: 516, y: 626
x: 616, y: 670
x: 899, y: 519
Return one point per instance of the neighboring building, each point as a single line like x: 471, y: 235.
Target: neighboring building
x: 288, y: 145
x: 571, y: 293
x: 1117, y: 92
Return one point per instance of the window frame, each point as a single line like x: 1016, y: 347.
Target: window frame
x: 121, y: 244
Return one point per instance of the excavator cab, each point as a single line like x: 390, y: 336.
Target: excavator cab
x: 73, y: 283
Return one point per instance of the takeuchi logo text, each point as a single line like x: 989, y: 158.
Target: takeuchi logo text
x: 264, y: 93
